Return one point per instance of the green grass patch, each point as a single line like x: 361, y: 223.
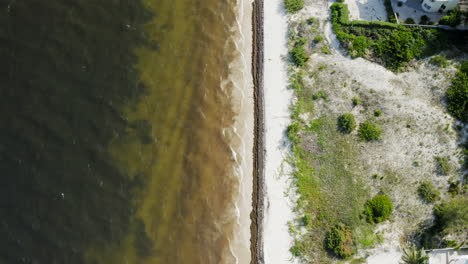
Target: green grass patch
x: 293, y: 6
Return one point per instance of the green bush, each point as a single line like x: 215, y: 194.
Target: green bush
x: 453, y: 19
x: 452, y: 217
x: 306, y: 220
x: 409, y: 20
x: 443, y: 165
x: 428, y: 192
x: 356, y: 101
x: 412, y: 255
x: 339, y: 241
x: 358, y: 47
x: 378, y: 209
x: 292, y: 6
x: 320, y: 94
x: 297, y: 249
x: 299, y: 55
x: 293, y: 132
x: 340, y: 1
x: 346, y: 123
x: 311, y: 20
x: 457, y: 97
x: 318, y: 39
x: 464, y: 67
x: 369, y: 131
x: 439, y: 61
x: 377, y: 113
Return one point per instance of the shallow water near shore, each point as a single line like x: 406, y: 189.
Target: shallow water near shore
x: 116, y: 133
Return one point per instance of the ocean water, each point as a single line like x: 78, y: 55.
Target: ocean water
x: 113, y: 143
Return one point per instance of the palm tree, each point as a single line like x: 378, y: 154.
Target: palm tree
x: 412, y: 255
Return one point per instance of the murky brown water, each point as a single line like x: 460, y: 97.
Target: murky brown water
x: 112, y: 144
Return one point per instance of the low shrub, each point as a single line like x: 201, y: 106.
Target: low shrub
x: 454, y: 188
x: 409, y: 20
x: 292, y: 6
x: 293, y: 132
x: 377, y: 113
x: 320, y: 95
x: 428, y: 192
x: 346, y: 123
x: 457, y: 97
x: 443, y: 165
x: 439, y: 61
x: 412, y: 255
x: 369, y: 131
x: 340, y: 1
x: 318, y: 39
x: 378, y: 209
x: 306, y: 220
x: 339, y: 241
x: 356, y: 101
x: 311, y: 20
x: 297, y: 249
x: 298, y: 55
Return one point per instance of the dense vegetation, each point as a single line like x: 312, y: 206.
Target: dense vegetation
x: 292, y: 6
x: 457, y: 96
x: 387, y: 43
x: 339, y: 241
x: 378, y: 209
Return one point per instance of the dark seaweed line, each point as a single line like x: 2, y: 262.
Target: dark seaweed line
x: 258, y: 195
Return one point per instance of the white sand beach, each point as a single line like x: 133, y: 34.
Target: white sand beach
x: 278, y: 208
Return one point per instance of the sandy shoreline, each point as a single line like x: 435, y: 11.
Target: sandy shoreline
x: 241, y: 137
